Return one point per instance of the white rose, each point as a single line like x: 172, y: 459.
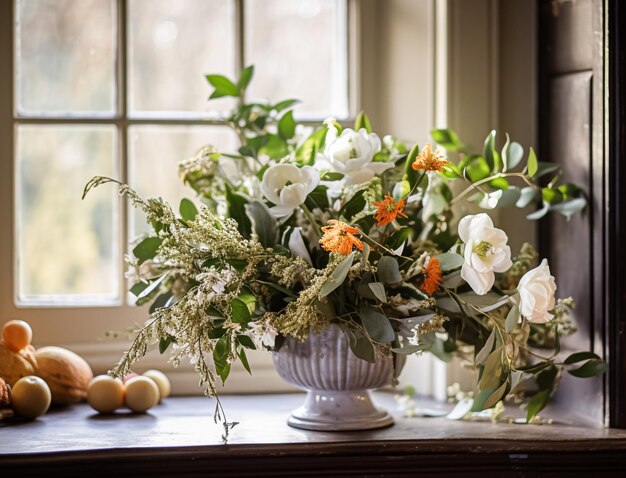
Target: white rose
x: 287, y: 186
x: 351, y: 153
x: 486, y: 252
x: 536, y: 291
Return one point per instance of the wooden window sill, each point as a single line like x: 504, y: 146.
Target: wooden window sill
x: 179, y: 437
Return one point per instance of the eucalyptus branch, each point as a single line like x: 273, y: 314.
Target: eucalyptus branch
x: 477, y: 184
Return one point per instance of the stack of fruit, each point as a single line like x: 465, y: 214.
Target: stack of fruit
x: 31, y: 380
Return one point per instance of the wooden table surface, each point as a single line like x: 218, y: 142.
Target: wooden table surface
x: 179, y: 437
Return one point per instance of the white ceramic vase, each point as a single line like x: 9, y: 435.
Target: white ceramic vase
x: 337, y: 382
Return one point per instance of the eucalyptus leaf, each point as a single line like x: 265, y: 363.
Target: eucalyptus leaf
x: 378, y: 289
x: 590, y: 369
x: 377, y: 325
x: 569, y: 208
x: 492, y: 370
x: 337, y: 276
x: 579, y: 357
x: 527, y: 194
x: 389, y: 271
x: 539, y: 213
x: 449, y: 261
x: 264, y: 225
x: 152, y: 287
x: 484, y: 352
x: 536, y: 404
x: 512, y: 318
x: 496, y: 396
x: 515, y: 153
x: 362, y: 347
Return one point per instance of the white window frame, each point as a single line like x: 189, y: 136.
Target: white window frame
x: 83, y: 328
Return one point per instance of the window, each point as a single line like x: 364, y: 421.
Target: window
x: 117, y: 88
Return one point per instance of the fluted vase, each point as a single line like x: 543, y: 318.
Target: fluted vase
x: 337, y: 382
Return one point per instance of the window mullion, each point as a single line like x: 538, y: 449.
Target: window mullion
x: 240, y: 61
x: 122, y: 132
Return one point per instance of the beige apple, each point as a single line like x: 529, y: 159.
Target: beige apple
x: 105, y: 394
x: 30, y: 397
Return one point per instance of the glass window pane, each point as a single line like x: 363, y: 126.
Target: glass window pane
x: 299, y: 49
x: 65, y: 57
x: 172, y: 46
x: 67, y: 247
x: 154, y: 153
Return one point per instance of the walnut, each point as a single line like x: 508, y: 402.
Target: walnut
x: 5, y: 394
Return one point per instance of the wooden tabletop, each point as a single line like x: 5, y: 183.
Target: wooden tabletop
x: 180, y: 435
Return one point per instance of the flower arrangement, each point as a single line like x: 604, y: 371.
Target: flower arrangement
x: 304, y: 227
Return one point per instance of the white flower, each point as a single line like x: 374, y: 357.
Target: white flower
x: 486, y: 252
x: 351, y: 153
x: 287, y: 186
x: 263, y: 334
x: 297, y: 246
x: 536, y: 290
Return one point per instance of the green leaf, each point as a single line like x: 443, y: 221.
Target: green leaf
x: 362, y: 121
x: 331, y: 176
x: 165, y: 342
x: 377, y: 325
x: 246, y: 76
x: 569, y: 208
x: 499, y: 183
x: 362, y: 347
x: 532, y: 163
x: 388, y: 270
x: 188, y: 209
x: 492, y: 370
x: 448, y: 139
x: 400, y: 237
x: 551, y: 196
x: 240, y: 312
x: 264, y: 225
x: 477, y: 169
x: 485, y: 351
x: 590, y: 369
x: 275, y: 147
x: 152, y: 287
x: 318, y: 198
x: 147, y: 248
x: 283, y: 105
x: 241, y: 352
x: 246, y: 341
x: 411, y: 175
x: 579, y: 357
x: 305, y: 154
x: 223, y: 86
x: 515, y: 153
x: 138, y: 288
x: 236, y: 209
x: 491, y: 155
x: 536, y: 404
x: 496, y: 396
x: 354, y: 205
x: 512, y: 318
x: 535, y: 368
x: 162, y: 300
x: 338, y: 275
x: 287, y: 126
x: 449, y: 261
x: 527, y: 194
x: 378, y: 289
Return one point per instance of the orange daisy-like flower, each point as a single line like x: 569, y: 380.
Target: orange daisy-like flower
x: 339, y: 237
x: 388, y: 210
x: 429, y: 160
x: 432, y: 276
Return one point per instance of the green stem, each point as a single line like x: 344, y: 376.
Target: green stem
x: 316, y: 227
x: 491, y: 178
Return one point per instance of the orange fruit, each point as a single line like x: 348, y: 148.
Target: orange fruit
x: 16, y: 334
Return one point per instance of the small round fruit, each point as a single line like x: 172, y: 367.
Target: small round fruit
x: 141, y: 394
x: 105, y: 394
x: 161, y: 381
x: 129, y: 376
x: 16, y: 334
x: 31, y: 397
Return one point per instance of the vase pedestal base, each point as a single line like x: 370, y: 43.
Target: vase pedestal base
x: 339, y: 411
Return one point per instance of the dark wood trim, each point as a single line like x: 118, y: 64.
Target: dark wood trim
x: 616, y: 259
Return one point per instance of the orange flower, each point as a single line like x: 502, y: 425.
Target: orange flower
x: 430, y: 161
x: 339, y: 237
x: 432, y: 276
x: 388, y: 210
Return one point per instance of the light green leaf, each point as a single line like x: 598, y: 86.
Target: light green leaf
x: 496, y: 396
x: 188, y: 210
x: 287, y: 126
x: 492, y: 371
x: 240, y: 313
x: 449, y: 261
x: 223, y: 86
x: 362, y: 121
x: 536, y: 404
x: 246, y: 76
x: 484, y: 352
x: 515, y: 154
x: 539, y: 213
x: 491, y: 155
x: 241, y: 352
x: 512, y: 318
x: 569, y: 208
x: 377, y: 325
x: 411, y: 175
x: 448, y: 139
x: 147, y: 248
x: 338, y: 275
x: 527, y: 194
x: 532, y: 163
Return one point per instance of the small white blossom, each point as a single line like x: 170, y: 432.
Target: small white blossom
x: 287, y: 186
x: 536, y: 291
x: 263, y: 334
x: 486, y: 252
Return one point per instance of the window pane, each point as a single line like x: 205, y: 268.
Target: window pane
x: 153, y: 163
x: 66, y: 57
x: 172, y: 46
x: 67, y: 248
x: 299, y: 48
